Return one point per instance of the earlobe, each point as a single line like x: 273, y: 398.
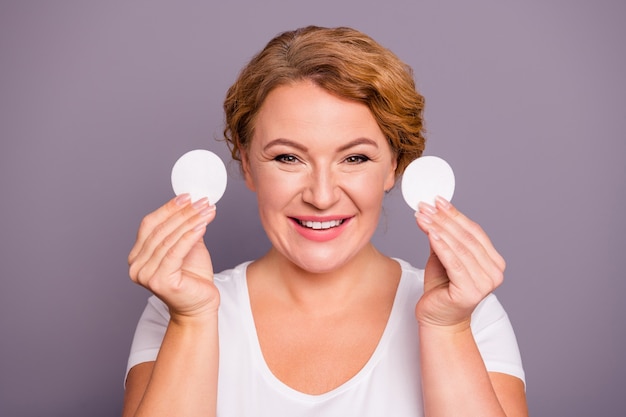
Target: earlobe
x: 389, y: 183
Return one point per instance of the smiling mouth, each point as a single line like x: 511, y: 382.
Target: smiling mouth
x: 320, y: 225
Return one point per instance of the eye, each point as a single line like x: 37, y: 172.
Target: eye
x: 357, y: 159
x: 286, y: 158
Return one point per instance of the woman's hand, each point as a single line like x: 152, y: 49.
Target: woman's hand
x: 170, y: 258
x: 463, y: 267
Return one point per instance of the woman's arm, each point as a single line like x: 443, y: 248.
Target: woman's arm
x: 170, y: 259
x: 511, y: 393
x: 456, y: 382
x: 183, y: 380
x: 463, y: 268
x: 136, y: 382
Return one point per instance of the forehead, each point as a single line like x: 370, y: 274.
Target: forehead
x: 303, y: 110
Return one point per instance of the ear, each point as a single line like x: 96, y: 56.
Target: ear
x: 390, y: 180
x: 245, y: 167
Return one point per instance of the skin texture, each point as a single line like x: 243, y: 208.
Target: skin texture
x: 463, y: 268
x: 170, y: 259
x: 322, y: 292
x: 318, y: 158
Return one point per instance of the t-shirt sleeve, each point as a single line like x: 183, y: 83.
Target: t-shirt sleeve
x: 149, y: 333
x: 495, y: 338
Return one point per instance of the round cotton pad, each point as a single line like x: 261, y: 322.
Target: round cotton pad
x: 200, y: 173
x: 425, y: 178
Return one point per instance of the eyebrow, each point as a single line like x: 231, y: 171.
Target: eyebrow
x: 285, y: 142
x: 299, y: 146
x: 359, y: 141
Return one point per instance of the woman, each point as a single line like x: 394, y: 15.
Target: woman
x: 323, y: 122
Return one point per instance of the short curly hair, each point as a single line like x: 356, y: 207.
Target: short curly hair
x: 344, y: 62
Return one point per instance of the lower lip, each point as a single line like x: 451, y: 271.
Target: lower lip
x: 321, y: 235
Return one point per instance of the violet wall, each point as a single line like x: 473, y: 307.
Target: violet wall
x: 526, y: 100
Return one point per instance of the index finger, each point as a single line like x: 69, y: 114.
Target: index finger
x: 150, y: 221
x: 471, y: 227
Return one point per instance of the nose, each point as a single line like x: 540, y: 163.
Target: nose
x: 322, y: 190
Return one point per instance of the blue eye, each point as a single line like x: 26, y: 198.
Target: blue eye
x: 357, y: 159
x: 286, y: 158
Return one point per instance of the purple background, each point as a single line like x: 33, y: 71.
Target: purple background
x: 98, y: 99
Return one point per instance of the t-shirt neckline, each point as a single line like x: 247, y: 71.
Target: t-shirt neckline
x: 278, y: 385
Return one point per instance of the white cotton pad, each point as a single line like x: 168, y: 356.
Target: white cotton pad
x: 200, y: 173
x: 426, y: 178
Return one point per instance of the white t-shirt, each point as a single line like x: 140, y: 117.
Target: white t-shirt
x: 388, y: 385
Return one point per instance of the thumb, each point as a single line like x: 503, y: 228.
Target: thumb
x: 434, y: 272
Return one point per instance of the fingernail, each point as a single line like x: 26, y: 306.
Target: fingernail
x: 199, y: 227
x: 424, y: 218
x: 182, y: 199
x: 427, y: 208
x: 201, y: 203
x: 205, y: 212
x: 445, y: 204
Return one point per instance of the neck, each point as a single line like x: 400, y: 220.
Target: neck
x: 325, y: 292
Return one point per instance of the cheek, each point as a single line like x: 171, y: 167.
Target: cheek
x: 377, y: 179
x: 272, y: 188
x: 256, y: 177
x: 368, y: 189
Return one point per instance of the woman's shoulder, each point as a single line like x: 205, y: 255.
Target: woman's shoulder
x: 232, y: 275
x: 232, y: 285
x: 411, y: 286
x: 410, y: 272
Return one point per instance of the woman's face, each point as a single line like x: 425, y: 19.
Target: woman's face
x: 320, y: 166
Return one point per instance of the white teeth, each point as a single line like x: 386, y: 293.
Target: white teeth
x: 321, y: 225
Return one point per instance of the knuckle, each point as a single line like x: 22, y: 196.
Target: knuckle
x: 146, y: 223
x: 155, y: 285
x: 455, y: 266
x: 158, y: 230
x: 460, y: 249
x: 474, y: 227
x: 478, y: 234
x: 141, y: 274
x: 469, y: 238
x: 146, y: 275
x: 454, y: 213
x: 501, y: 263
x: 471, y: 296
x: 480, y: 291
x: 172, y: 257
x: 498, y: 278
x: 132, y: 272
x: 135, y: 269
x: 167, y: 243
x: 444, y: 219
x: 477, y: 295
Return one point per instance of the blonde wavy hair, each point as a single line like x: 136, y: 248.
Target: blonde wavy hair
x: 346, y: 63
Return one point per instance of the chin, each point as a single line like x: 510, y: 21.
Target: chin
x: 321, y: 264
x: 317, y: 267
